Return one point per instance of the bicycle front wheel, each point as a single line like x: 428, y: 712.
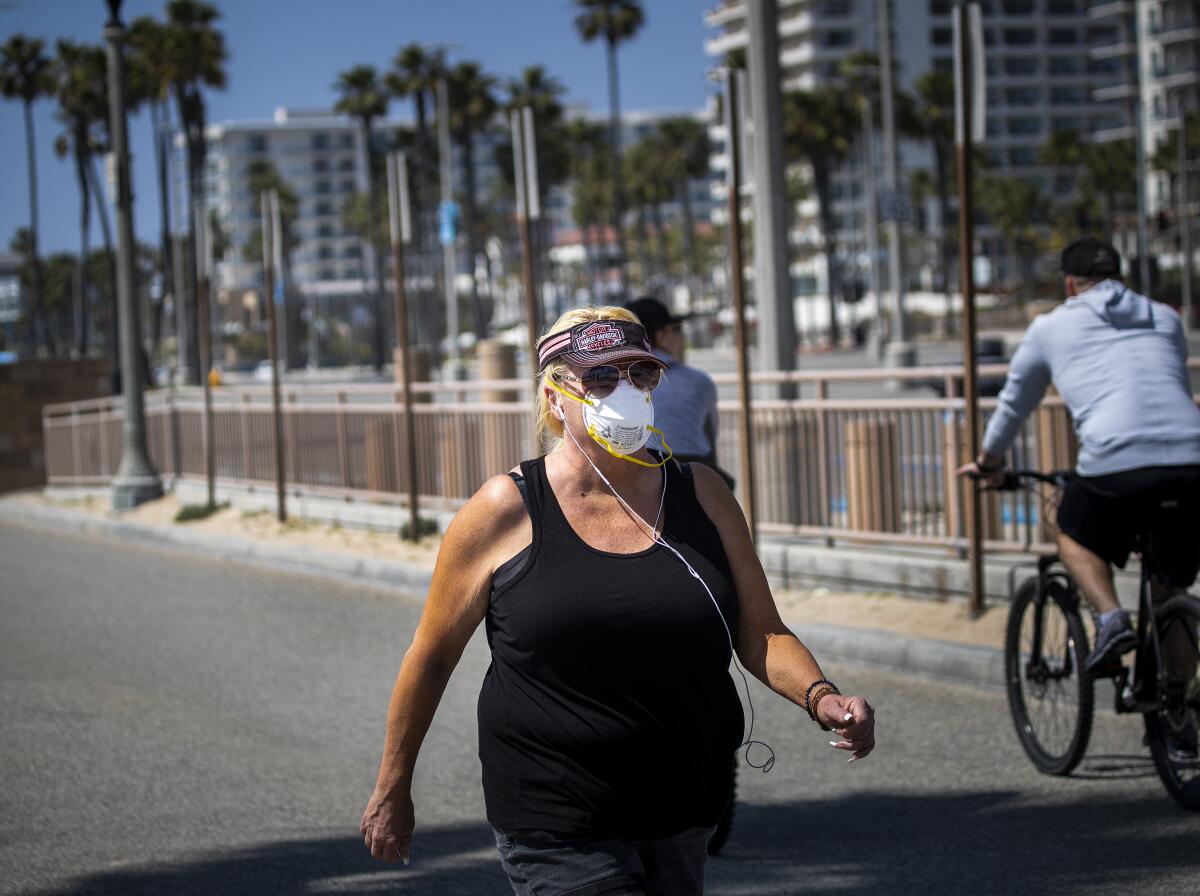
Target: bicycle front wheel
x: 1049, y: 692
x: 1171, y: 730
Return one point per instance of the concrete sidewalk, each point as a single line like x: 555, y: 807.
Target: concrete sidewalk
x: 934, y: 638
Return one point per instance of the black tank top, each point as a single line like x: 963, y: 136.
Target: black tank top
x: 608, y: 708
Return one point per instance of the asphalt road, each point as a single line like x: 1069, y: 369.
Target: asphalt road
x: 173, y: 726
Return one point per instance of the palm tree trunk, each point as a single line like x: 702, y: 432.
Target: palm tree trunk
x: 614, y: 115
x: 114, y: 330
x: 379, y: 336
x: 690, y: 262
x: 472, y: 229
x: 660, y: 240
x: 85, y: 225
x: 41, y: 338
x: 643, y: 241
x: 833, y: 272
x: 166, y: 267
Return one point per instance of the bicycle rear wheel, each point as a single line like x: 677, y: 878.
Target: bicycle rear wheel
x: 1171, y: 730
x: 1049, y: 692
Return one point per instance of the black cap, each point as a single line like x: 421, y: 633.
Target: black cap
x: 653, y: 314
x: 1091, y: 257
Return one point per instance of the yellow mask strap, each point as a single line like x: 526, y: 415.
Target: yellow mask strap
x: 561, y: 391
x: 603, y: 443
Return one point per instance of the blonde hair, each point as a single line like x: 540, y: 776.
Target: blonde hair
x: 548, y: 429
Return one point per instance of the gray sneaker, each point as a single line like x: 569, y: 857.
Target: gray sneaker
x: 1114, y: 639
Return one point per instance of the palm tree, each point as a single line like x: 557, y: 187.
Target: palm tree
x: 685, y: 142
x: 935, y: 112
x: 616, y: 21
x: 819, y: 128
x: 262, y: 177
x: 1018, y: 209
x: 25, y: 74
x: 196, y: 53
x: 363, y: 98
x: 473, y: 107
x: 591, y: 190
x: 149, y: 72
x: 82, y: 105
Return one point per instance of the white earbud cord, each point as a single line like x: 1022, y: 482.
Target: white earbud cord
x: 749, y: 742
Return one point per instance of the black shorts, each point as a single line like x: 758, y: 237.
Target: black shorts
x: 1107, y: 514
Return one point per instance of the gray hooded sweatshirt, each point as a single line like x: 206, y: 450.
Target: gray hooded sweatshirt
x: 1119, y: 361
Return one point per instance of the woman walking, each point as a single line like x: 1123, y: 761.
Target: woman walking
x: 615, y: 585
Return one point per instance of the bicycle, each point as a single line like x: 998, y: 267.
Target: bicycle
x: 1045, y: 647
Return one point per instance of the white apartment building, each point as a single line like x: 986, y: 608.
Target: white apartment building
x: 1162, y: 38
x: 1040, y: 79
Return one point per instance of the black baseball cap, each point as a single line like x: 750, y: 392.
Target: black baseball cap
x: 1090, y: 257
x: 653, y: 314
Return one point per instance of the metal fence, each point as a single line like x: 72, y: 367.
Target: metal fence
x: 875, y: 469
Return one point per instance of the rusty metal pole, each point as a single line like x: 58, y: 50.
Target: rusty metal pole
x: 966, y: 20
x: 204, y: 332
x: 733, y: 183
x: 269, y: 236
x: 401, y: 233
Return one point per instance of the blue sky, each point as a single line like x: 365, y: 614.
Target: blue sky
x: 288, y: 53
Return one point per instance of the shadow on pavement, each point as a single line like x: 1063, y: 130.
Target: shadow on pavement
x: 448, y: 860
x: 1110, y: 767
x: 979, y: 842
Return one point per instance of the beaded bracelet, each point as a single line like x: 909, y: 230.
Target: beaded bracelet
x: 811, y: 688
x: 821, y: 693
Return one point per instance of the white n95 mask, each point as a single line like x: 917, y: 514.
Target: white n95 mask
x: 620, y: 421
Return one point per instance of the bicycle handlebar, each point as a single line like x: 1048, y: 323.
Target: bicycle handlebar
x: 1016, y: 479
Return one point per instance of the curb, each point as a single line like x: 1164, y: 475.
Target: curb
x: 942, y: 660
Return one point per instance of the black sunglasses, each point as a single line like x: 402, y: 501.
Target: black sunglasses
x: 602, y: 379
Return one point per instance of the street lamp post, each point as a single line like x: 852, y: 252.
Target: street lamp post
x: 136, y: 481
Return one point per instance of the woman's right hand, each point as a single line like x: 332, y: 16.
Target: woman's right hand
x: 387, y: 826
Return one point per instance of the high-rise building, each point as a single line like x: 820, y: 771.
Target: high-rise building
x: 1157, y: 43
x: 1052, y: 66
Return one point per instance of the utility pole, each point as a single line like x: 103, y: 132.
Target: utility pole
x: 899, y: 352
x: 136, y: 480
x: 1139, y: 142
x: 733, y: 184
x: 267, y: 201
x: 529, y: 208
x: 772, y: 280
x: 1185, y: 227
x: 279, y: 297
x: 401, y: 232
x: 204, y: 333
x: 875, y: 281
x: 968, y: 65
x: 448, y: 224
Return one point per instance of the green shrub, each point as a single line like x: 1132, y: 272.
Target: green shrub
x: 425, y: 526
x: 189, y: 512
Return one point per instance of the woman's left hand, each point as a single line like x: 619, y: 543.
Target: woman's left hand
x: 853, y: 719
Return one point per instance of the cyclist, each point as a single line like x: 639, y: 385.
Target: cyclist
x: 1119, y: 361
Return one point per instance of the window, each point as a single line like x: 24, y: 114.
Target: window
x: 323, y: 186
x: 1024, y: 126
x: 1062, y: 37
x: 943, y: 64
x: 256, y: 144
x: 324, y: 208
x: 833, y: 8
x: 1067, y: 96
x: 1021, y: 65
x: 1023, y: 96
x: 320, y: 165
x: 346, y: 141
x: 1019, y: 37
x: 1022, y: 156
x: 1060, y: 123
x: 1017, y: 7
x: 1104, y: 66
x: 940, y: 7
x: 325, y: 230
x: 838, y: 38
x: 327, y: 274
x: 941, y: 37
x: 324, y: 252
x: 348, y: 185
x: 1062, y: 7
x: 994, y: 127
x: 346, y: 164
x: 1065, y: 65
